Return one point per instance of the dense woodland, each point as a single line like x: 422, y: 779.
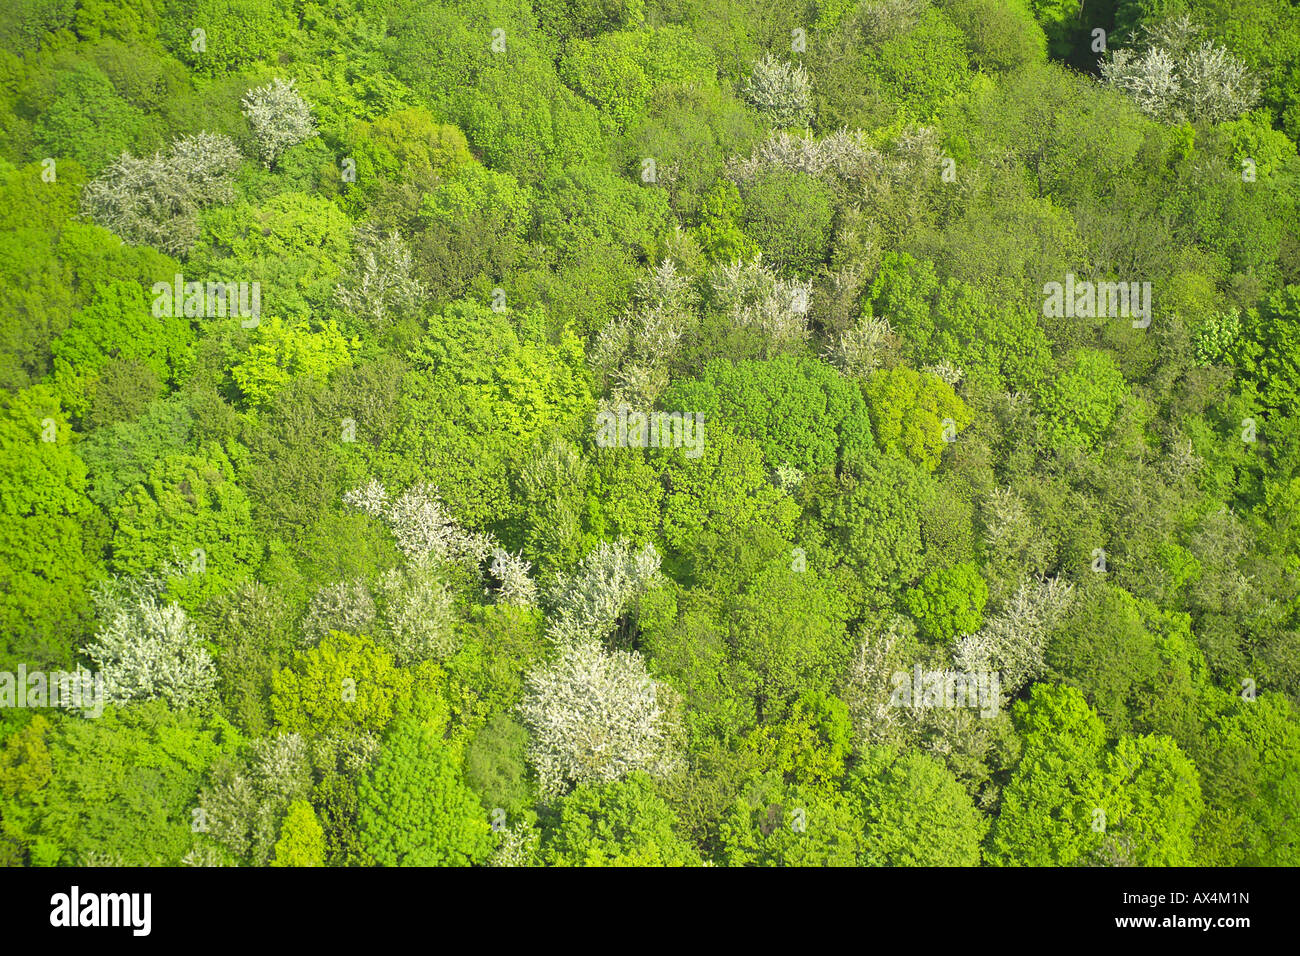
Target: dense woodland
x: 311, y: 314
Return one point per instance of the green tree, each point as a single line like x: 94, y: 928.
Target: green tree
x: 346, y: 683
x: 915, y: 414
x: 916, y: 813
x: 625, y: 823
x: 1054, y: 808
x: 302, y: 841
x: 187, y: 521
x: 949, y: 602
x: 414, y: 809
x: 1081, y: 402
x: 788, y: 214
x: 719, y: 232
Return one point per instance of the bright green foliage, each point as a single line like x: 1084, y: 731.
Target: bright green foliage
x: 1001, y: 35
x: 915, y: 414
x: 52, y: 264
x: 957, y: 323
x: 795, y: 827
x: 24, y: 769
x: 1248, y: 761
x: 294, y: 244
x: 787, y: 628
x: 616, y: 824
x: 87, y: 120
x: 552, y: 485
x: 1161, y: 804
x: 345, y: 683
x: 414, y: 809
x: 800, y: 411
x: 1272, y: 350
x: 236, y: 33
x: 807, y: 745
x: 496, y: 764
x: 920, y: 69
x: 1080, y: 403
x: 875, y: 521
x: 618, y: 72
x: 719, y: 234
x: 122, y: 787
x: 187, y: 521
x: 472, y: 223
x: 401, y: 156
x: 1056, y: 17
x: 916, y: 813
x: 588, y: 17
x: 117, y: 330
x: 949, y: 602
x: 480, y: 394
x: 788, y: 215
x: 1106, y: 651
x: 302, y: 841
x: 379, y: 528
x: 281, y: 353
x: 1057, y: 794
x: 725, y: 489
x: 44, y: 518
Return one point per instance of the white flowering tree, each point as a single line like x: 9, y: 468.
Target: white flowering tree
x: 150, y: 650
x: 511, y: 572
x: 155, y: 201
x: 1013, y: 641
x: 861, y: 349
x: 868, y: 683
x: 416, y: 611
x: 1179, y: 77
x: 780, y: 90
x: 754, y: 297
x: 280, y: 118
x: 631, y: 353
x: 381, y: 285
x: 341, y: 606
x: 587, y: 604
x: 245, y: 800
x: 421, y: 523
x: 595, y: 716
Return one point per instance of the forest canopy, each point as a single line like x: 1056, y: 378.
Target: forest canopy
x: 649, y: 433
